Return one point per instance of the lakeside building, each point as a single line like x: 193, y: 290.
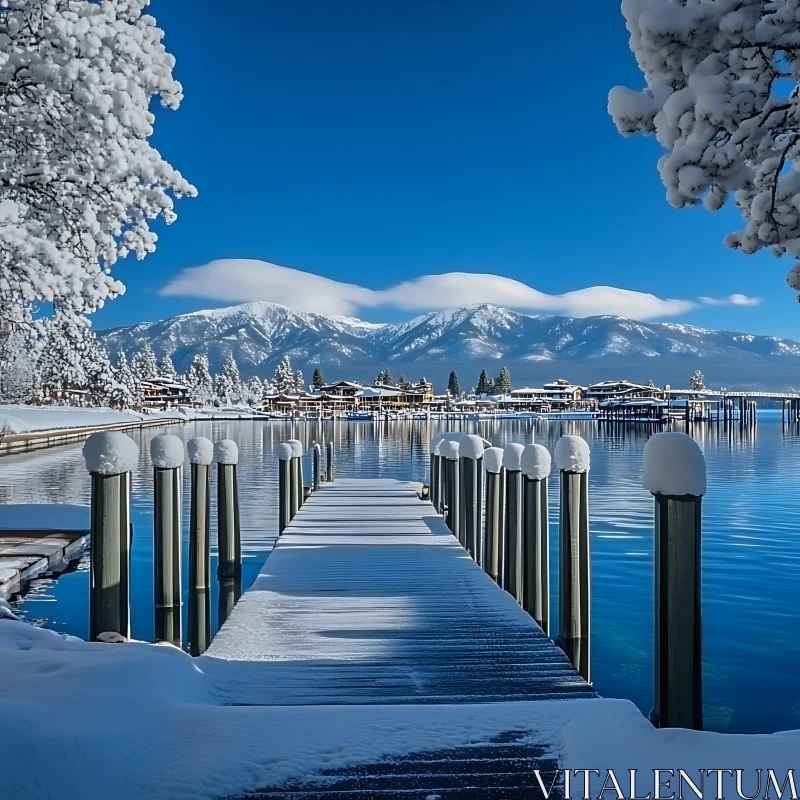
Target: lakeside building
x: 164, y: 393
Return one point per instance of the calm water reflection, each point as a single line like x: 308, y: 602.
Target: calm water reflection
x: 751, y: 547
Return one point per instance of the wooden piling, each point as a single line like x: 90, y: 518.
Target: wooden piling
x: 285, y: 494
x: 316, y: 466
x: 448, y: 450
x: 471, y: 473
x: 574, y: 581
x: 201, y: 452
x: 296, y: 467
x: 536, y: 535
x: 512, y: 534
x: 229, y: 544
x: 674, y: 472
x: 329, y: 462
x: 494, y: 514
x: 110, y: 525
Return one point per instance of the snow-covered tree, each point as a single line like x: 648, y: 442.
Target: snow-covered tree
x: 131, y: 394
x: 317, y: 379
x: 253, y: 392
x: 19, y: 356
x: 384, y: 378
x: 299, y: 382
x: 199, y: 380
x: 723, y: 99
x: 697, y: 381
x: 145, y: 366
x: 61, y: 366
x: 284, y: 378
x: 485, y: 385
x: 503, y: 383
x: 404, y: 383
x: 166, y: 369
x: 452, y: 385
x: 101, y: 384
x: 79, y: 182
x: 228, y: 385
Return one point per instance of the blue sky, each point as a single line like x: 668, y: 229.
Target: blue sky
x: 373, y: 143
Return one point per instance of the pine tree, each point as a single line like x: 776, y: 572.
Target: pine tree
x: 284, y: 378
x: 452, y: 385
x: 230, y: 390
x: 145, y: 366
x: 101, y: 383
x: 131, y: 394
x: 384, y: 378
x: 299, y: 384
x: 19, y: 368
x: 253, y: 391
x: 503, y: 383
x: 404, y: 383
x: 485, y: 385
x: 199, y: 380
x: 318, y: 380
x: 698, y: 381
x: 166, y: 369
x: 61, y: 368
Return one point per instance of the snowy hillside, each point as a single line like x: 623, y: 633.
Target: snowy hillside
x: 258, y: 334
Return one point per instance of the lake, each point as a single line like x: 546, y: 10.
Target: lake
x: 751, y: 543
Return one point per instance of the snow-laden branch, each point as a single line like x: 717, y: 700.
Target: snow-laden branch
x: 79, y: 181
x: 722, y: 98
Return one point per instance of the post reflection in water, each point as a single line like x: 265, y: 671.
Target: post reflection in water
x: 751, y: 546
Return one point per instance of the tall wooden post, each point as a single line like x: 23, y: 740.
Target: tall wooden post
x: 201, y: 454
x: 329, y: 462
x: 110, y: 457
x: 470, y: 452
x: 574, y: 581
x: 536, y: 535
x: 167, y: 455
x: 297, y: 475
x: 495, y: 512
x: 316, y: 468
x: 448, y: 450
x: 675, y: 473
x: 284, y: 453
x: 512, y: 538
x: 229, y: 544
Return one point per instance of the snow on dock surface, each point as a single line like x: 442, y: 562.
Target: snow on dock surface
x: 368, y: 598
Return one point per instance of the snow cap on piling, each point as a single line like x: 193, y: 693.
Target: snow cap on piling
x: 200, y: 450
x: 297, y: 447
x: 512, y: 456
x: 166, y: 451
x: 284, y: 451
x: 493, y: 459
x: 535, y: 462
x: 449, y: 450
x: 572, y: 454
x: 110, y: 453
x: 471, y: 447
x: 226, y: 451
x: 674, y: 465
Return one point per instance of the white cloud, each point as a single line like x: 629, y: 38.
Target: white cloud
x: 731, y: 300
x: 243, y: 280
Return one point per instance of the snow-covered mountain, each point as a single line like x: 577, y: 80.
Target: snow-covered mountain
x: 259, y: 334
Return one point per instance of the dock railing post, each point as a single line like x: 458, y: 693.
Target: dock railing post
x: 470, y: 451
x: 297, y: 475
x: 167, y: 455
x: 448, y: 450
x: 317, y: 463
x: 574, y: 581
x: 536, y: 535
x: 284, y: 453
x: 201, y: 454
x: 110, y: 458
x: 675, y: 473
x: 495, y: 497
x: 512, y: 538
x: 229, y: 545
x: 329, y: 464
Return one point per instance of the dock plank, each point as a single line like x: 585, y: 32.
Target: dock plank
x: 368, y: 598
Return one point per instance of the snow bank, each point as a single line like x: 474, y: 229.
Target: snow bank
x: 297, y: 447
x: 535, y: 462
x: 284, y: 451
x: 166, y: 451
x: 226, y: 451
x: 673, y: 464
x: 101, y: 723
x: 25, y: 419
x: 200, y: 450
x: 449, y: 450
x: 493, y: 459
x: 512, y: 456
x: 471, y: 447
x: 110, y: 453
x: 572, y: 454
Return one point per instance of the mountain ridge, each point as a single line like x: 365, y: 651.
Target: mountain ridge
x: 259, y: 333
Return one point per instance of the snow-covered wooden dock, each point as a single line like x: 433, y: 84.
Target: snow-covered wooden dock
x: 368, y: 598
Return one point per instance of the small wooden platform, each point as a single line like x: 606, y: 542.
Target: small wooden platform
x: 368, y: 598
x: 36, y: 539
